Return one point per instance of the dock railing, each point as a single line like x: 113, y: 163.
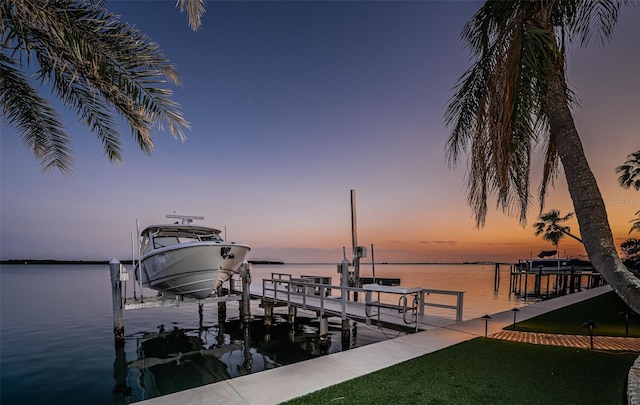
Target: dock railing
x: 457, y: 307
x: 283, y: 289
x: 332, y: 299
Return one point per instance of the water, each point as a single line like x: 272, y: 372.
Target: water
x: 57, y: 345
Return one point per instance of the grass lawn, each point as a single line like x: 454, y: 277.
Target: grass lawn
x: 488, y: 371
x: 604, y: 310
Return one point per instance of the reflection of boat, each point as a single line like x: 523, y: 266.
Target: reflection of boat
x: 186, y: 259
x: 174, y: 362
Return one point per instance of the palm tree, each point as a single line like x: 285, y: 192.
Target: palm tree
x: 95, y: 64
x: 551, y: 230
x: 635, y: 223
x: 630, y: 172
x: 514, y: 96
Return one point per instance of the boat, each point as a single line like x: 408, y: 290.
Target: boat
x: 189, y: 260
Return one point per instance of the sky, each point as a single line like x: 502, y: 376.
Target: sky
x: 292, y: 105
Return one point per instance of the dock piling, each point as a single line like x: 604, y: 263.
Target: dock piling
x: 115, y: 269
x: 245, y: 274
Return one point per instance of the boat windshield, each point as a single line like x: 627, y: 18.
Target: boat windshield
x: 214, y: 237
x: 162, y: 241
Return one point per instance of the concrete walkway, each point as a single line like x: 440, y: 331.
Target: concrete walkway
x: 281, y: 384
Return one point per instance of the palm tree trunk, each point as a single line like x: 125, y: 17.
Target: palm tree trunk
x: 573, y: 236
x: 587, y: 200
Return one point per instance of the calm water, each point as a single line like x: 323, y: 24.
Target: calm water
x: 57, y: 345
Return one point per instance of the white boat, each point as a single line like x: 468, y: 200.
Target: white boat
x: 186, y: 259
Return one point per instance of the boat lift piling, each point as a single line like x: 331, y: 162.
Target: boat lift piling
x: 118, y: 275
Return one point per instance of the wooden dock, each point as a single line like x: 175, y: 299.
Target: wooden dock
x: 387, y: 305
x: 545, y: 284
x: 393, y: 307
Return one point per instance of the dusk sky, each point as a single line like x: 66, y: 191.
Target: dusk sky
x: 293, y: 104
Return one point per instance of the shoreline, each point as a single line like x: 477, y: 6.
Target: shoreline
x: 265, y: 262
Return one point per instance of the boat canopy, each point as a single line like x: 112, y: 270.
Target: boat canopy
x: 178, y: 230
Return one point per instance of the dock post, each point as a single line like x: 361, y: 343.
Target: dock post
x: 344, y: 283
x: 572, y: 281
x: 268, y: 314
x: 222, y: 306
x: 115, y: 269
x: 292, y: 315
x: 246, y: 291
x: 496, y: 278
x: 512, y: 281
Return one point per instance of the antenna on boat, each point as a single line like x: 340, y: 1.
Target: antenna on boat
x: 185, y: 219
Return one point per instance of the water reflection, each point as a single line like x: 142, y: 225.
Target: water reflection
x: 175, y: 361
x: 178, y: 359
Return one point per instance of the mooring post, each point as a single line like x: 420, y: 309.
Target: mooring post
x: 246, y: 291
x: 116, y: 296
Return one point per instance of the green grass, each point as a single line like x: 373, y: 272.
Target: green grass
x: 488, y: 371
x: 604, y: 310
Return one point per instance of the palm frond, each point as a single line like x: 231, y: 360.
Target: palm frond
x: 592, y: 20
x: 40, y: 125
x: 635, y: 223
x: 498, y: 111
x: 195, y: 9
x: 493, y: 111
x: 97, y: 66
x: 630, y: 172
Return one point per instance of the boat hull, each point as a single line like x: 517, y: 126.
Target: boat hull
x: 194, y: 269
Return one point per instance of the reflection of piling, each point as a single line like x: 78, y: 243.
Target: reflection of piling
x: 346, y: 334
x: 121, y: 391
x: 116, y: 270
x: 325, y: 338
x: 222, y: 312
